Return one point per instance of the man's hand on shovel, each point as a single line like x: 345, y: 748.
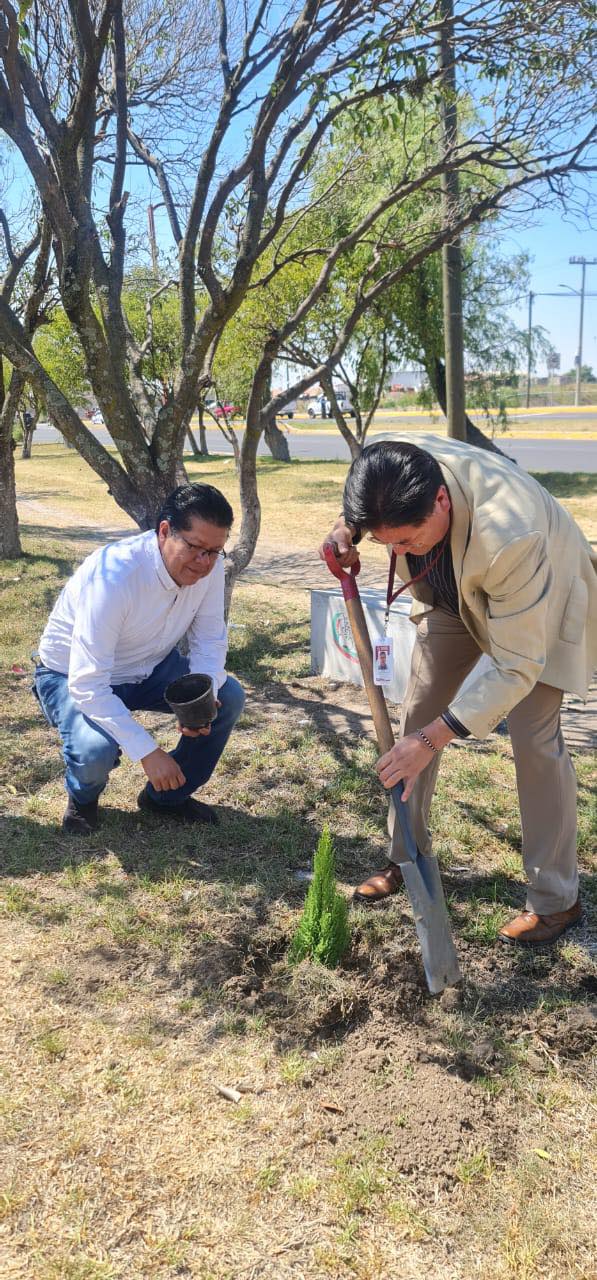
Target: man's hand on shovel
x: 404, y: 763
x: 408, y: 757
x: 340, y: 540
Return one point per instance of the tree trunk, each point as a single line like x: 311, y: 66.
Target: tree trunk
x: 250, y: 505
x: 10, y: 542
x: 202, y: 433
x: 451, y: 252
x: 437, y: 376
x: 148, y: 472
x: 28, y: 433
x: 193, y: 443
x: 354, y: 443
x: 360, y: 429
x: 276, y: 442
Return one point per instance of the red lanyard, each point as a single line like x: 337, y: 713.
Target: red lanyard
x: 390, y: 598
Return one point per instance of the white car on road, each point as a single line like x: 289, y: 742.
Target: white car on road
x: 344, y: 406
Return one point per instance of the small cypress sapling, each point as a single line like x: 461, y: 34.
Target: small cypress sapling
x: 324, y: 931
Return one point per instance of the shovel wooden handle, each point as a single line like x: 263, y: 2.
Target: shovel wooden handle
x: 421, y: 875
x: 360, y: 631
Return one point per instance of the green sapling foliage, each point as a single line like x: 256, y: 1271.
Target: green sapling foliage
x: 324, y: 932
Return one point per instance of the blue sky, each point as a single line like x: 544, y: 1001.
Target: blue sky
x: 551, y: 241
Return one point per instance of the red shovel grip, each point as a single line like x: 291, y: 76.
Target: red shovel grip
x: 347, y: 581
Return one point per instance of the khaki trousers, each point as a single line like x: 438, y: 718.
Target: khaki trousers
x: 443, y: 655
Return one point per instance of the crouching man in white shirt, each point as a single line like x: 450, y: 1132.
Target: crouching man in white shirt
x: 109, y: 649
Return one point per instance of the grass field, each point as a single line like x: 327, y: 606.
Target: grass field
x: 298, y: 499
x: 380, y: 1134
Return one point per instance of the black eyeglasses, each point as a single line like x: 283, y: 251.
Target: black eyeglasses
x: 202, y: 553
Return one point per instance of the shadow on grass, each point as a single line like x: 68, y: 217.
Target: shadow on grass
x: 568, y: 484
x: 341, y: 727
x: 62, y: 565
x: 25, y: 724
x: 75, y: 533
x: 256, y: 655
x: 245, y: 871
x: 39, y: 495
x: 487, y: 822
x: 245, y: 848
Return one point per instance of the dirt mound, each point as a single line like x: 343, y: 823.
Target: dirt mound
x: 400, y: 1086
x: 431, y: 1122
x: 571, y: 1032
x: 375, y: 1059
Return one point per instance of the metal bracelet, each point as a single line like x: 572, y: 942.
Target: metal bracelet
x: 426, y: 740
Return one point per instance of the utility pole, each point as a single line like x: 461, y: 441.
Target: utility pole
x: 451, y: 253
x: 584, y: 263
x: 529, y: 349
x: 152, y: 240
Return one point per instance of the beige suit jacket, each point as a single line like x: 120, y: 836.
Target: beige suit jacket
x: 526, y: 578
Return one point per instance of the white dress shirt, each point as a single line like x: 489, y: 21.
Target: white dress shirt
x: 118, y: 617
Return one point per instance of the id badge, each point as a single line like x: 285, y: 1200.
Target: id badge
x: 383, y: 660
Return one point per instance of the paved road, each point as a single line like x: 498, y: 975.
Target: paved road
x: 553, y: 455
x: 534, y: 455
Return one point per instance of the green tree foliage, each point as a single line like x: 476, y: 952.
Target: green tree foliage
x: 225, y: 111
x: 324, y: 932
x: 266, y: 304
x: 586, y: 374
x: 154, y: 322
x: 405, y: 325
x: 59, y: 350
x: 153, y: 315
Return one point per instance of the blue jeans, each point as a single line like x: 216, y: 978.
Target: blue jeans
x: 90, y: 753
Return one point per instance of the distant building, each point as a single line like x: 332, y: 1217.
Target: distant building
x: 315, y: 391
x: 406, y: 379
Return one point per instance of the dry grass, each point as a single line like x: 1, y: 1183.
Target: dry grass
x: 299, y: 501
x: 120, y: 1015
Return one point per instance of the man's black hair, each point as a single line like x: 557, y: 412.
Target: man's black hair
x: 391, y: 483
x: 195, y: 500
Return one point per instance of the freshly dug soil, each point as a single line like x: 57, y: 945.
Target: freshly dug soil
x: 407, y: 1077
x: 380, y: 1063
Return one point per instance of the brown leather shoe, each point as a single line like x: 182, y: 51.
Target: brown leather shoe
x: 530, y: 930
x: 382, y: 884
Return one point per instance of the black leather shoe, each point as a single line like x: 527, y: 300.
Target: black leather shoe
x: 80, y: 819
x: 189, y: 812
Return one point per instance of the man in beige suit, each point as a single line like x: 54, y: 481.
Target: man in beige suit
x: 496, y: 566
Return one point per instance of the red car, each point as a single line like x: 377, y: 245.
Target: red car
x: 224, y: 410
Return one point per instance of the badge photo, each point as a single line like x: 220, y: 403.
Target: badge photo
x: 383, y: 660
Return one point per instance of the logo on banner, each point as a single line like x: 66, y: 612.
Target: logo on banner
x: 342, y: 636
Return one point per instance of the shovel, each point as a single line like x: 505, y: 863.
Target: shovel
x: 420, y: 873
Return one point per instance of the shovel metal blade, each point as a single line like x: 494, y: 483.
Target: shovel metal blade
x: 425, y: 890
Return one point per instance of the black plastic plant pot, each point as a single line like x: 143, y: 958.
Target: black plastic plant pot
x: 192, y: 700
